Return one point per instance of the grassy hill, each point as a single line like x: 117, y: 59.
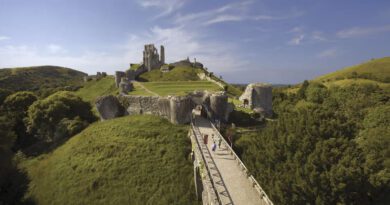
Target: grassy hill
x: 95, y: 88
x: 176, y: 74
x: 180, y: 87
x: 376, y: 69
x: 40, y: 79
x: 129, y: 160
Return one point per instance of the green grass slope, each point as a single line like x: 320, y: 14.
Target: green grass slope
x: 39, y: 78
x: 95, y: 88
x: 129, y: 160
x: 176, y: 74
x: 376, y: 69
x: 180, y: 88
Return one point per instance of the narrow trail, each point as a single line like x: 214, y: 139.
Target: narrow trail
x: 146, y: 89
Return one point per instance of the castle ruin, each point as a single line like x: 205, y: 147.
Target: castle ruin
x: 152, y: 60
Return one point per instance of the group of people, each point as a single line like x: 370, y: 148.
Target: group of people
x: 214, y: 145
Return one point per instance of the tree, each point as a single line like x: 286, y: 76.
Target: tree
x: 15, y: 110
x: 4, y: 93
x: 46, y: 116
x: 19, y: 102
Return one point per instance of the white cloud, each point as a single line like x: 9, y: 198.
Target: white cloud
x: 328, y: 53
x: 361, y: 31
x: 237, y: 11
x: 3, y: 38
x: 223, y: 18
x: 54, y: 49
x: 319, y: 36
x: 167, y: 6
x: 297, y: 40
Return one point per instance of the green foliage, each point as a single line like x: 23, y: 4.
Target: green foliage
x: 329, y: 147
x: 45, y: 115
x: 374, y: 140
x: 134, y: 66
x: 129, y: 160
x: 14, y: 111
x: 19, y: 101
x: 67, y: 127
x: 7, y: 139
x: 316, y: 93
x: 42, y: 80
x: 4, y: 94
x: 176, y: 74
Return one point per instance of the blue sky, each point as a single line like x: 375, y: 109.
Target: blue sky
x: 244, y: 41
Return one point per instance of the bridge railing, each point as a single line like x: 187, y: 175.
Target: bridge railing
x: 213, y: 195
x: 207, y: 184
x: 253, y: 181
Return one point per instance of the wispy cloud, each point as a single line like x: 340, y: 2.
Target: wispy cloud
x: 297, y: 40
x: 318, y: 35
x: 3, y: 38
x: 362, y: 31
x: 232, y: 12
x: 328, y: 53
x: 167, y: 6
x: 223, y: 18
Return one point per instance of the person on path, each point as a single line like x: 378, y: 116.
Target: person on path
x: 205, y: 139
x: 219, y: 142
x: 213, y: 147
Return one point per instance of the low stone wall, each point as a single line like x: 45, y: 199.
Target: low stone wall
x: 177, y: 109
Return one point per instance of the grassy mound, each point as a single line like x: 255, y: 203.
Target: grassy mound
x: 93, y: 89
x: 129, y: 160
x: 39, y: 78
x: 180, y: 87
x: 376, y: 69
x: 176, y: 74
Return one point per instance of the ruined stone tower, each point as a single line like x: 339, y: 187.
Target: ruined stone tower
x: 162, y: 55
x: 151, y: 58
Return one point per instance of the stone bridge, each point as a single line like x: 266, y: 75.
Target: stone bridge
x: 220, y: 176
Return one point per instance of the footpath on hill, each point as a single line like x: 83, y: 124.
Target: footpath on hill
x: 146, y: 89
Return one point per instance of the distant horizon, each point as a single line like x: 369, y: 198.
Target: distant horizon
x: 278, y: 42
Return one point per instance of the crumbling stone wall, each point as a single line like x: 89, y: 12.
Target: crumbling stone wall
x: 109, y: 107
x: 177, y: 109
x: 151, y: 58
x: 118, y: 77
x: 258, y: 96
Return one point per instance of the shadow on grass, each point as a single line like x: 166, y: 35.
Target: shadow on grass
x: 42, y: 147
x: 14, y: 188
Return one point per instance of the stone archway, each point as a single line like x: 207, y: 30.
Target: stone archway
x: 246, y: 102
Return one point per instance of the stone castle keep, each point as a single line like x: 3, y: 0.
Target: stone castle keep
x: 151, y: 59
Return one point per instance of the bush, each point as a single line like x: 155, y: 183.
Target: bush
x: 47, y: 115
x: 67, y: 127
x: 19, y: 101
x: 4, y: 93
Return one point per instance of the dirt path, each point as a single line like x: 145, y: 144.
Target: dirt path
x: 146, y: 89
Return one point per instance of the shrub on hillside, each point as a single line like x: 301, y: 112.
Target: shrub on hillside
x: 19, y: 101
x: 47, y: 116
x: 4, y: 93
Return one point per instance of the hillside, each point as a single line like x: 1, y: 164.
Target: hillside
x: 129, y: 160
x: 376, y: 69
x: 40, y: 79
x: 95, y: 88
x: 180, y: 73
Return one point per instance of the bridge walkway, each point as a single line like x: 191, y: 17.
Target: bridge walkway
x: 240, y: 189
